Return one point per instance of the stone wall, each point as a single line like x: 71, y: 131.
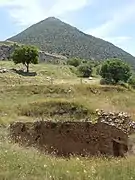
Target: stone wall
x: 76, y: 138
x: 120, y: 120
x: 52, y: 58
x: 6, y: 51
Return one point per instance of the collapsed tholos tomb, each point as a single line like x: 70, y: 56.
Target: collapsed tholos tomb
x: 71, y: 138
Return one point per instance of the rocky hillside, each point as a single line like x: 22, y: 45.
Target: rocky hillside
x: 7, y: 49
x: 55, y: 36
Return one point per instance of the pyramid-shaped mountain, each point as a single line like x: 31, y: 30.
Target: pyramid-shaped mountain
x: 54, y: 36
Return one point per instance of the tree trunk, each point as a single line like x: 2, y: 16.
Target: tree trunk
x: 27, y: 68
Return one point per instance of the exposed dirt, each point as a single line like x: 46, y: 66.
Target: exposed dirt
x: 71, y: 138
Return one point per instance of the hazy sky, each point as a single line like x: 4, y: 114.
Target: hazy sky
x: 112, y: 20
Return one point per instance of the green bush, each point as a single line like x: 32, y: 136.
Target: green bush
x: 73, y: 70
x: 104, y: 81
x: 131, y: 81
x: 123, y: 84
x: 115, y: 70
x: 85, y: 70
x: 74, y: 62
x: 84, y: 61
x: 98, y: 69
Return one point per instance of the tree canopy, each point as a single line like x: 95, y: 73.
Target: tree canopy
x: 74, y: 62
x: 115, y: 70
x: 26, y: 55
x: 85, y: 70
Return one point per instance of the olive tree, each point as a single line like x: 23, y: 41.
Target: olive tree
x: 26, y: 55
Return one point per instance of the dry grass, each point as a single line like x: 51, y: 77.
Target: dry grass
x: 21, y: 163
x: 56, y: 109
x: 90, y: 95
x: 18, y: 92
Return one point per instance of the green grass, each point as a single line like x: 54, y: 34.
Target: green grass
x: 27, y: 163
x: 67, y: 98
x: 19, y: 92
x: 91, y: 97
x: 57, y: 109
x: 43, y: 70
x: 61, y: 74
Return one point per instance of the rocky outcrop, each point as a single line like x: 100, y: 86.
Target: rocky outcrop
x: 6, y: 51
x: 71, y: 138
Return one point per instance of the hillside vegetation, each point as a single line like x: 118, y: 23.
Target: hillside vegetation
x: 55, y: 88
x: 55, y: 36
x: 27, y: 163
x: 64, y: 97
x: 23, y: 164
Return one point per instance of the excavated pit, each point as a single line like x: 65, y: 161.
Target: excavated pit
x: 71, y: 138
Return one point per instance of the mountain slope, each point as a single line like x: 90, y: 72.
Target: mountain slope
x: 55, y: 36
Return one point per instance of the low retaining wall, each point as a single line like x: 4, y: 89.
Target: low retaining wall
x: 120, y: 120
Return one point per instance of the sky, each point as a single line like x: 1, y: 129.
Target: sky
x: 111, y: 20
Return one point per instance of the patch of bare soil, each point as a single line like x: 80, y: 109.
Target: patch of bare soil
x: 71, y: 138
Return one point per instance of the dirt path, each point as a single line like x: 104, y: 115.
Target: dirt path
x: 76, y: 81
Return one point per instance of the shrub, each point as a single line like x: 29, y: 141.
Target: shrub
x: 73, y: 70
x: 131, y: 81
x: 115, y: 70
x: 85, y: 70
x: 98, y: 69
x: 123, y: 84
x: 104, y: 81
x: 74, y: 62
x: 84, y: 61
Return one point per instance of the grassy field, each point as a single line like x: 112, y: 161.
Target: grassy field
x: 66, y: 97
x: 18, y: 163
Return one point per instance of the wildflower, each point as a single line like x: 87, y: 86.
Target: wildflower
x: 93, y: 170
x: 45, y: 165
x: 85, y: 171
